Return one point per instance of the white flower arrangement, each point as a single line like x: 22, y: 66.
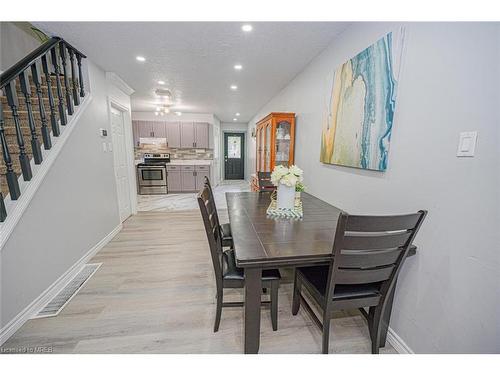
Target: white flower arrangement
x: 287, y: 176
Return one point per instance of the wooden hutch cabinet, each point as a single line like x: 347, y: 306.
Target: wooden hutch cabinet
x: 275, y: 139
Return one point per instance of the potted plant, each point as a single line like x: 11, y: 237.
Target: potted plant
x: 286, y: 179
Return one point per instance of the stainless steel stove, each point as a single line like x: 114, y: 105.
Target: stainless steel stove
x: 152, y: 174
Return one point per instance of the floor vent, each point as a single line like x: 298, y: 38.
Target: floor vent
x: 54, y: 307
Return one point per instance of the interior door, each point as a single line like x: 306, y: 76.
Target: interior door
x: 234, y: 156
x: 120, y: 160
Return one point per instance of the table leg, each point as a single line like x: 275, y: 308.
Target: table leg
x: 387, y: 317
x: 253, y: 290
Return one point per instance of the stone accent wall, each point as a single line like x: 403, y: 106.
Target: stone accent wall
x: 175, y: 153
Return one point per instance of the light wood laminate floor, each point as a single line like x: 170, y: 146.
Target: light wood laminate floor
x: 155, y: 293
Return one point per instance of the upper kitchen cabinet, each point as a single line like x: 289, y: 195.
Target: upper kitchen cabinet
x: 194, y: 135
x: 201, y: 130
x: 151, y: 129
x: 173, y: 134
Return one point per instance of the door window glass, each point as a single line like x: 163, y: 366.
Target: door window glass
x: 234, y: 147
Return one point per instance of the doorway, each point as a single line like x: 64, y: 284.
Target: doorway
x: 120, y: 160
x: 234, y: 156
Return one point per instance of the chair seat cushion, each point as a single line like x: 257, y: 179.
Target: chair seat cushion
x: 318, y: 277
x: 231, y: 272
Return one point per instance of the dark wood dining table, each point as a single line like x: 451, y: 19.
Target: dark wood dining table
x: 264, y: 242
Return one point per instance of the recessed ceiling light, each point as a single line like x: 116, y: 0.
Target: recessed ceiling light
x: 140, y: 58
x: 161, y: 82
x: 247, y: 28
x: 233, y: 87
x: 237, y: 114
x: 178, y: 113
x: 238, y: 67
x: 156, y: 113
x: 235, y: 119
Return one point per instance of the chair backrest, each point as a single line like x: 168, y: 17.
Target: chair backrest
x: 212, y: 229
x: 265, y: 183
x: 212, y: 198
x: 371, y: 249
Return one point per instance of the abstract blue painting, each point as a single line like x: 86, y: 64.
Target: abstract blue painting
x: 360, y: 112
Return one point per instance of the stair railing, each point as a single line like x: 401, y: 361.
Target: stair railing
x: 29, y: 78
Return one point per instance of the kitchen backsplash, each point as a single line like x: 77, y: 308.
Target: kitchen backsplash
x: 175, y: 153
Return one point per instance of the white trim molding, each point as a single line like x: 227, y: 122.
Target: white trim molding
x: 397, y: 343
x: 48, y: 294
x: 15, y: 209
x: 120, y: 83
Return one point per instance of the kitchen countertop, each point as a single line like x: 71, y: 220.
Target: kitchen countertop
x: 182, y: 162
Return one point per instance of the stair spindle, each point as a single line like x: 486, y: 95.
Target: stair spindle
x: 76, y: 96
x: 55, y: 63
x: 37, y: 80
x: 35, y: 143
x: 67, y: 88
x: 10, y: 175
x: 3, y: 211
x: 54, y: 124
x: 80, y: 74
x: 11, y: 93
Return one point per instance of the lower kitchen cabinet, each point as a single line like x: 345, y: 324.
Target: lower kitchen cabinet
x: 186, y: 178
x: 174, y: 181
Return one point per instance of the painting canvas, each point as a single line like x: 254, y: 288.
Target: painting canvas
x: 359, y: 111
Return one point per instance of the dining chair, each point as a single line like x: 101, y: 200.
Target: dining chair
x: 227, y: 274
x: 227, y: 236
x: 265, y: 183
x: 367, y: 255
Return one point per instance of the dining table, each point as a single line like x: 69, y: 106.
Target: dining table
x: 263, y: 241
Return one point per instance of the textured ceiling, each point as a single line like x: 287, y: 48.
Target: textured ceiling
x: 196, y: 59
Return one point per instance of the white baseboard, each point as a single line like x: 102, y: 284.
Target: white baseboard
x: 34, y: 307
x: 397, y: 343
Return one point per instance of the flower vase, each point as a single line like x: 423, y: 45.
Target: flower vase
x: 286, y: 196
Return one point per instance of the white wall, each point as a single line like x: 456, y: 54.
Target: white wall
x: 237, y: 127
x: 74, y: 208
x: 15, y: 43
x: 448, y: 295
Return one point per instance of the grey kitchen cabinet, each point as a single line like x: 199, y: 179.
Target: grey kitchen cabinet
x: 145, y: 129
x: 135, y: 132
x: 188, y: 178
x: 200, y: 172
x: 187, y: 135
x: 201, y: 134
x: 174, y: 180
x: 173, y: 130
x: 158, y: 129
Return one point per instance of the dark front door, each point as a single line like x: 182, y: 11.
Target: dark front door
x: 234, y: 156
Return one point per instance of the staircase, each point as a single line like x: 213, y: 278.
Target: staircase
x: 39, y: 94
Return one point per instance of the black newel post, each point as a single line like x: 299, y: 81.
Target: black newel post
x: 55, y: 63
x: 67, y: 88
x: 3, y: 211
x: 26, y: 90
x: 10, y: 91
x: 10, y: 175
x: 53, y: 117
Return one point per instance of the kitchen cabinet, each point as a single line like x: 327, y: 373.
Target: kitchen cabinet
x: 174, y: 181
x: 187, y: 135
x: 200, y: 171
x: 201, y: 134
x: 188, y: 178
x: 145, y: 128
x: 135, y: 132
x: 151, y: 129
x: 173, y: 130
x: 158, y: 129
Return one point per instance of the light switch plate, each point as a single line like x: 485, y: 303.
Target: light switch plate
x: 467, y: 144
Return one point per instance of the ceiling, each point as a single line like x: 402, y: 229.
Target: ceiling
x: 196, y: 59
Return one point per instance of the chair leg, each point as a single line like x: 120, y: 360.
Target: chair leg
x: 218, y: 310
x: 274, y: 304
x: 376, y: 329
x: 297, y: 286
x: 326, y: 332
